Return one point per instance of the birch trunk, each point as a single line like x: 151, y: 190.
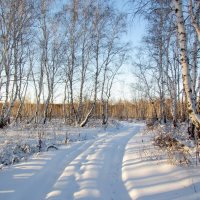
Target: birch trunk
x: 195, y: 18
x: 194, y: 117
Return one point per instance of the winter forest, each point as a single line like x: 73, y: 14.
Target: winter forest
x: 61, y: 65
x: 71, y: 49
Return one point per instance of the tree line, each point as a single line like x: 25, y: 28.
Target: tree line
x: 47, y: 46
x: 76, y: 47
x: 167, y: 61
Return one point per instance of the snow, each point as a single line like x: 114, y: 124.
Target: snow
x: 112, y: 164
x: 149, y: 178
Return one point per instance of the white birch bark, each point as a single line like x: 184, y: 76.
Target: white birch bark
x: 195, y: 118
x: 194, y: 18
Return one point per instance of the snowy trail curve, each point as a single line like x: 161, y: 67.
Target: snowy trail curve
x: 86, y: 170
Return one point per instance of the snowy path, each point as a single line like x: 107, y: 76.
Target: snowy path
x: 106, y: 168
x: 86, y: 170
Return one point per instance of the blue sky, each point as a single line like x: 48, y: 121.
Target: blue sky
x: 121, y: 87
x: 136, y: 30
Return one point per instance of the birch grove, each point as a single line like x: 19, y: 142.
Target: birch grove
x: 64, y: 58
x: 172, y: 43
x: 16, y: 22
x: 59, y: 54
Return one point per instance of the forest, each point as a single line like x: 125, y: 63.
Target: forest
x: 59, y: 51
x: 61, y: 59
x: 67, y: 129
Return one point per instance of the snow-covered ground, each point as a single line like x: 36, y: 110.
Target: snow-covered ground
x: 113, y: 164
x: 19, y: 142
x: 147, y: 176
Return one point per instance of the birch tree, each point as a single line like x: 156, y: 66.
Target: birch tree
x: 143, y: 71
x: 156, y: 42
x: 194, y: 10
x: 187, y: 82
x: 16, y: 20
x: 106, y: 51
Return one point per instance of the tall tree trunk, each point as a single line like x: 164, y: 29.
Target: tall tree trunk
x: 194, y: 117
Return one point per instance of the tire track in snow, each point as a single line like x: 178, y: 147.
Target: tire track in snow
x: 104, y: 180
x: 96, y: 173
x: 89, y: 170
x: 67, y: 183
x: 37, y: 175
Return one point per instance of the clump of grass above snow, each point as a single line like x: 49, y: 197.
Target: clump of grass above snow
x: 170, y: 144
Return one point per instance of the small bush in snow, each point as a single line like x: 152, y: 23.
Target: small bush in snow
x: 177, y: 152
